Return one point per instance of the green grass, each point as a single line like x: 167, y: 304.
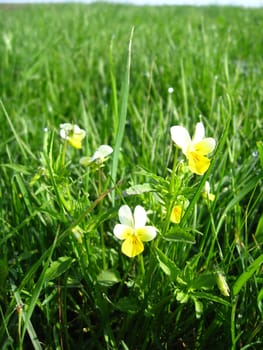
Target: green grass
x: 64, y: 282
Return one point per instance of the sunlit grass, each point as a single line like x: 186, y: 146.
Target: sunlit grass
x: 125, y: 76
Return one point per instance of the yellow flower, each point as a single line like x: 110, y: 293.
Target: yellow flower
x: 179, y: 209
x: 132, y: 230
x: 194, y: 149
x: 176, y: 214
x: 207, y: 194
x: 73, y: 134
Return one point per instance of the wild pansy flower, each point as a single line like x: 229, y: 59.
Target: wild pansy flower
x: 99, y: 156
x: 179, y: 209
x: 194, y: 149
x: 73, y: 134
x: 207, y: 194
x: 176, y: 214
x: 132, y: 230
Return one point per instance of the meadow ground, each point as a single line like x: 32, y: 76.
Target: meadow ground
x: 76, y: 271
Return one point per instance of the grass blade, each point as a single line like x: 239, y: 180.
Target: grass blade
x: 122, y: 118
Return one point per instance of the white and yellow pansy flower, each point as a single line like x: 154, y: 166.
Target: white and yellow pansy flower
x: 132, y: 230
x: 99, y: 156
x: 73, y: 134
x: 194, y: 149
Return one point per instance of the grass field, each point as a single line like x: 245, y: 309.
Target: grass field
x: 125, y: 76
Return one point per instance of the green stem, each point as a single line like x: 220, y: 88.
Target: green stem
x: 171, y: 197
x: 141, y: 261
x: 63, y: 154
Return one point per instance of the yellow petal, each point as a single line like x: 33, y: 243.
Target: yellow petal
x: 205, y: 146
x: 132, y: 246
x: 75, y: 141
x: 211, y: 197
x: 198, y: 164
x: 176, y: 214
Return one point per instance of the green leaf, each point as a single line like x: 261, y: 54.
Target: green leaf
x: 203, y: 281
x: 242, y: 280
x: 127, y: 304
x: 138, y: 189
x: 167, y: 265
x: 198, y: 308
x: 121, y: 117
x: 259, y: 300
x: 179, y: 234
x: 18, y: 168
x: 28, y: 325
x: 259, y: 230
x: 260, y: 151
x: 108, y: 278
x: 211, y: 297
x: 58, y: 267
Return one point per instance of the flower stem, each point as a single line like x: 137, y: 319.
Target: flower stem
x: 171, y: 194
x: 63, y: 153
x: 141, y: 261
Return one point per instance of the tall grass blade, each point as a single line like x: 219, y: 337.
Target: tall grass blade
x: 242, y: 279
x: 122, y: 118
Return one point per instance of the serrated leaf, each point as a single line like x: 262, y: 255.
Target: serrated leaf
x: 108, y: 278
x: 167, y: 265
x: 242, y: 279
x: 58, y: 267
x: 138, y: 189
x: 179, y: 234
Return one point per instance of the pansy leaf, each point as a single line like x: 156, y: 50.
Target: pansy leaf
x: 108, y: 278
x: 167, y: 265
x: 58, y: 267
x: 179, y: 234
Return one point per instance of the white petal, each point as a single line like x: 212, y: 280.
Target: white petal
x: 122, y: 231
x: 63, y: 134
x: 207, y: 187
x: 76, y: 129
x: 146, y: 233
x: 140, y: 216
x: 199, y: 132
x: 181, y: 137
x: 66, y: 126
x: 125, y: 216
x: 102, y: 152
